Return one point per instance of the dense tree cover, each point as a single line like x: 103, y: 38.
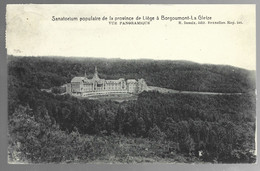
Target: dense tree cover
x: 179, y: 75
x: 36, y: 139
x: 45, y: 127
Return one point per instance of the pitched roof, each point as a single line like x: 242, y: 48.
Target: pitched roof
x: 131, y: 80
x: 113, y: 81
x: 77, y: 79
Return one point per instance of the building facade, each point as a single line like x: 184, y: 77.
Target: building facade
x: 82, y: 86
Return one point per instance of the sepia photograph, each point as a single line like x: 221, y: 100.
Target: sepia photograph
x: 132, y: 84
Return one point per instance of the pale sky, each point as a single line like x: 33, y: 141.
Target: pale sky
x: 31, y: 32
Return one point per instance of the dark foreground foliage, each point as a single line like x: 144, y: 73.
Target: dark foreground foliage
x: 37, y: 140
x: 44, y: 127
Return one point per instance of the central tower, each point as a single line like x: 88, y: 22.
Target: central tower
x: 96, y: 74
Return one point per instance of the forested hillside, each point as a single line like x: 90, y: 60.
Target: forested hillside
x: 156, y: 127
x: 178, y: 75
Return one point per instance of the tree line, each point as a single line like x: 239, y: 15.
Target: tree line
x: 212, y: 128
x: 179, y: 75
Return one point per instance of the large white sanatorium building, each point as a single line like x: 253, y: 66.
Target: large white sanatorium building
x: 82, y: 86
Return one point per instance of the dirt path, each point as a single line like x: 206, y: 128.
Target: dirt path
x: 166, y: 90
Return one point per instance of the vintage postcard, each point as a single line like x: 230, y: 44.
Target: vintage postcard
x: 131, y: 83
